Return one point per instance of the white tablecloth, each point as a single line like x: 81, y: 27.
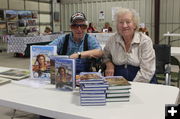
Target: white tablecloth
x: 18, y: 44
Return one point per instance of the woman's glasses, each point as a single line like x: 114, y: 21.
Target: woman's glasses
x: 76, y: 26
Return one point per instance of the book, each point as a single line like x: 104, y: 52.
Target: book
x: 52, y: 66
x: 96, y: 85
x: 90, y: 75
x: 15, y: 74
x: 117, y: 91
x: 65, y: 74
x: 117, y: 94
x: 40, y: 61
x: 4, y: 81
x: 117, y: 82
x: 95, y: 91
x: 114, y: 99
x: 93, y: 95
x: 93, y: 103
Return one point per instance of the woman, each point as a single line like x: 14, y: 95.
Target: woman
x: 107, y: 27
x: 47, y: 31
x: 91, y: 29
x: 63, y: 78
x: 40, y: 66
x: 130, y: 53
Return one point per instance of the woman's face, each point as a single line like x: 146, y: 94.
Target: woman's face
x: 125, y: 25
x: 41, y: 60
x: 62, y: 72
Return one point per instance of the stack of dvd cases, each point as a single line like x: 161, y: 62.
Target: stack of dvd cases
x: 92, y: 89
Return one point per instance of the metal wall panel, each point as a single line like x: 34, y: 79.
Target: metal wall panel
x: 92, y: 9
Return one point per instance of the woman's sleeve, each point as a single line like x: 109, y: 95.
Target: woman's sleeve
x: 147, y: 61
x: 107, y: 51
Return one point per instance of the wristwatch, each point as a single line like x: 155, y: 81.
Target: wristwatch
x: 79, y: 55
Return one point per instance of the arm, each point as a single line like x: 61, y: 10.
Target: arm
x: 107, y: 58
x: 109, y: 69
x: 96, y: 53
x: 59, y: 43
x: 94, y: 49
x: 147, y: 62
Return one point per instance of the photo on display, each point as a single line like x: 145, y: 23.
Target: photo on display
x: 34, y: 14
x: 24, y: 14
x: 40, y: 61
x: 12, y: 27
x: 11, y: 15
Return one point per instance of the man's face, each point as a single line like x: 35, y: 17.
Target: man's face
x: 78, y: 28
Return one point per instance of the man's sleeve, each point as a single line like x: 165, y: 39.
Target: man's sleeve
x: 93, y: 43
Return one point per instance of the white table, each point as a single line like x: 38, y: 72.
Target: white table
x: 175, y: 51
x: 147, y: 101
x: 169, y: 35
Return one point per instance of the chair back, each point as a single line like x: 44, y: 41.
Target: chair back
x: 163, y: 57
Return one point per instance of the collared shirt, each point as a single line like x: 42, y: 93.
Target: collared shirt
x: 74, y: 46
x: 140, y: 54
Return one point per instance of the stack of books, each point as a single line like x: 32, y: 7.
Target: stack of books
x: 92, y: 89
x: 118, y: 90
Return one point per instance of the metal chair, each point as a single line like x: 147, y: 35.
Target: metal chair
x: 175, y: 75
x: 163, y: 59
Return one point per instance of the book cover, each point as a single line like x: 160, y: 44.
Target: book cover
x: 117, y: 82
x: 40, y: 61
x: 4, y: 81
x: 65, y: 73
x: 52, y: 65
x: 15, y: 74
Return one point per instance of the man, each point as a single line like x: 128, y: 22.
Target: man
x: 78, y: 44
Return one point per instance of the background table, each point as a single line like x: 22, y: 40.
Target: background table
x: 147, y: 101
x: 19, y: 44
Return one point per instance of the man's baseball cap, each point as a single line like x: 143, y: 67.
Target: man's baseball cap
x: 78, y: 16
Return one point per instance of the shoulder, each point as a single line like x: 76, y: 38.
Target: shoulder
x: 91, y: 37
x: 144, y: 39
x: 59, y: 40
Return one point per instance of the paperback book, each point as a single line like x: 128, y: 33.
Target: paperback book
x: 4, y: 81
x: 65, y: 74
x: 114, y: 99
x: 52, y: 65
x: 40, y: 61
x: 117, y: 82
x: 15, y: 74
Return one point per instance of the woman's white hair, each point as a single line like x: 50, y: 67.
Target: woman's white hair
x: 135, y: 15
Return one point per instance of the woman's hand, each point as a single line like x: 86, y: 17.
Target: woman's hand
x: 109, y: 69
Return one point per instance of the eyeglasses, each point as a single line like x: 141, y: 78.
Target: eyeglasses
x: 76, y: 26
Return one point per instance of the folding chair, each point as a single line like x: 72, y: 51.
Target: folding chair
x: 163, y: 59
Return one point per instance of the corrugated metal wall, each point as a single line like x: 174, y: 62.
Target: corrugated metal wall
x: 169, y: 10
x: 170, y: 20
x: 92, y: 8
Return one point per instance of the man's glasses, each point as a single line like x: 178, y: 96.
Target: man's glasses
x: 76, y: 26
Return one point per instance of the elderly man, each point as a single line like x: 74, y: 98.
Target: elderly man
x: 78, y: 44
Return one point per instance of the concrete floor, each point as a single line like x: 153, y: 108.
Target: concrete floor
x: 8, y: 60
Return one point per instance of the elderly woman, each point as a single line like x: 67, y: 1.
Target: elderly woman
x: 130, y: 53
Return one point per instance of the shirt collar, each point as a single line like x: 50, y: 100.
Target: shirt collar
x: 136, y: 38
x: 71, y: 37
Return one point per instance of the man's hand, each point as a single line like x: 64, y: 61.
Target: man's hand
x: 74, y: 56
